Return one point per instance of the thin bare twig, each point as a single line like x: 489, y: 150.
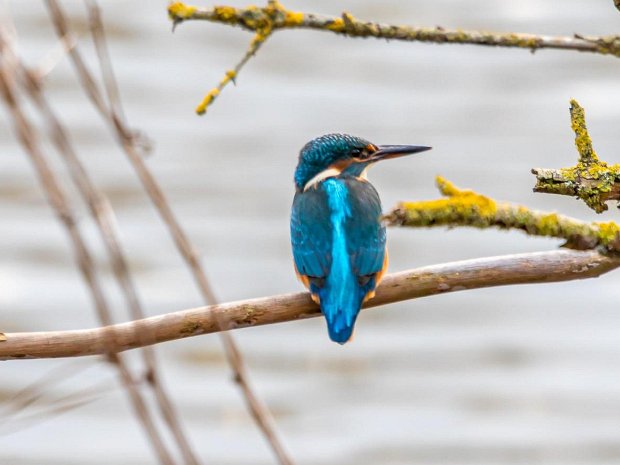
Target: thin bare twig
x: 528, y: 268
x: 103, y: 214
x: 259, y: 411
x: 62, y: 405
x: 35, y: 391
x: 101, y: 45
x: 54, y: 56
x: 59, y: 201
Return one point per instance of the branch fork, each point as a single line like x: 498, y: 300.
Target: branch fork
x: 591, y: 179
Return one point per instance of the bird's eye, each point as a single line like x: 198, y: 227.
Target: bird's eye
x: 363, y: 152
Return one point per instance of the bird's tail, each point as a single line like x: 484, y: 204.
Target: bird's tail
x: 341, y: 304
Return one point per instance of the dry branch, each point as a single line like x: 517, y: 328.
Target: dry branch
x: 112, y: 113
x: 119, y: 263
x: 58, y: 200
x: 541, y: 267
x: 266, y: 20
x: 103, y: 215
x: 591, y: 179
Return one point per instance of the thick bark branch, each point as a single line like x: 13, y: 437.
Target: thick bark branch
x: 542, y: 267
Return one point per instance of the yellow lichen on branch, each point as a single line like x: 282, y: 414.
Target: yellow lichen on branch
x: 583, y: 142
x: 208, y: 99
x: 231, y: 74
x: 591, y: 179
x: 260, y: 20
x: 263, y: 21
x: 278, y: 17
x: 468, y: 208
x: 179, y: 11
x: 459, y: 207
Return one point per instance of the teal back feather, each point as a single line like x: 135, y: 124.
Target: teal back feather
x: 341, y: 297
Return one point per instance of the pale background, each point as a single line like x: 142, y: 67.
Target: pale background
x: 515, y: 375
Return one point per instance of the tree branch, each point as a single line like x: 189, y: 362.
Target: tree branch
x: 591, y: 179
x: 275, y: 16
x: 541, y: 267
x: 468, y: 208
x: 263, y: 21
x: 230, y: 75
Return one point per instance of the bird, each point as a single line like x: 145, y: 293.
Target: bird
x: 337, y: 237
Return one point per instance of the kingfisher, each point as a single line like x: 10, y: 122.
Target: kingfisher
x: 338, y: 239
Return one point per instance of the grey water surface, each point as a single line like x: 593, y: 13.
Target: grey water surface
x: 513, y: 375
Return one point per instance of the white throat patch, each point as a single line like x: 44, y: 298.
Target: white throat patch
x: 328, y: 173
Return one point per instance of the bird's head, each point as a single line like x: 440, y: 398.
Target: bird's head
x: 333, y: 154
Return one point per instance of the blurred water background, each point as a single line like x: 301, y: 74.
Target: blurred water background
x: 514, y: 375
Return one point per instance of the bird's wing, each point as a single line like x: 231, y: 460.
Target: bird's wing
x: 364, y: 231
x: 311, y: 233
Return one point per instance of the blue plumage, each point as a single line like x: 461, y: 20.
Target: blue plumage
x: 338, y: 241
x: 340, y: 296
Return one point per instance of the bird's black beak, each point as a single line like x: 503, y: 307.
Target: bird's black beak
x: 386, y: 152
